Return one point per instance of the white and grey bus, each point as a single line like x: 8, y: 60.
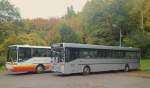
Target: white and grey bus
x: 84, y: 58
x: 27, y: 58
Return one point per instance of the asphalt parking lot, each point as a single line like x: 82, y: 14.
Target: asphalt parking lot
x: 51, y: 80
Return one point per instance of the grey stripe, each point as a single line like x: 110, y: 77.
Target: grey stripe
x: 105, y: 63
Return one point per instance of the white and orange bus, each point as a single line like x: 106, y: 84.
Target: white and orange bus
x: 27, y: 58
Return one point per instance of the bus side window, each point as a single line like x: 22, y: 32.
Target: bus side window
x: 84, y: 53
x: 131, y: 55
x: 67, y: 54
x: 101, y: 53
x: 71, y: 54
x: 44, y: 52
x: 35, y: 52
x: 38, y: 52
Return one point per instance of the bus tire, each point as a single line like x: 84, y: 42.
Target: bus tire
x: 126, y: 69
x: 40, y: 69
x: 86, y: 70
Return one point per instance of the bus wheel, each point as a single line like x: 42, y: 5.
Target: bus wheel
x: 39, y: 69
x: 126, y: 69
x: 86, y: 70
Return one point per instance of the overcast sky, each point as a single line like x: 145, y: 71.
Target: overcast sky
x: 46, y: 8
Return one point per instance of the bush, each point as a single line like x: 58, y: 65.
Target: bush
x: 147, y: 54
x: 2, y: 60
x: 145, y: 64
x: 2, y: 68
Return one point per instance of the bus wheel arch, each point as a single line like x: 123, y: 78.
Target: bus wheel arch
x: 40, y: 68
x: 126, y: 68
x: 86, y: 70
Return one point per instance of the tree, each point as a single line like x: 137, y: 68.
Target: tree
x: 70, y: 12
x: 67, y: 35
x: 97, y: 19
x: 9, y: 16
x: 8, y: 12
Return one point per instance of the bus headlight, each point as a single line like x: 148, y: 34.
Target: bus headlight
x: 62, y: 67
x: 10, y: 66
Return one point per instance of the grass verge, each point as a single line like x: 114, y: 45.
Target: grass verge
x: 2, y: 68
x: 145, y: 65
x: 2, y: 63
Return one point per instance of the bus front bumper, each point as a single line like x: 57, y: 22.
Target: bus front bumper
x: 59, y: 68
x: 19, y: 68
x: 10, y: 67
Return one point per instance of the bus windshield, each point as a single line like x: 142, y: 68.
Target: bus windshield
x: 12, y: 54
x: 58, y: 54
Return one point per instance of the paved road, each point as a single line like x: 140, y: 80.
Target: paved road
x: 51, y: 80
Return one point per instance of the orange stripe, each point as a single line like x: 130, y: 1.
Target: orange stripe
x: 24, y: 68
x: 47, y: 66
x: 29, y: 68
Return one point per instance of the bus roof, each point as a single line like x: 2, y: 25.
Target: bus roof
x: 29, y: 46
x: 77, y: 45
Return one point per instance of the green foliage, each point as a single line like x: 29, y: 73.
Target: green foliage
x: 145, y: 64
x: 67, y: 35
x: 8, y: 12
x: 95, y: 17
x: 70, y: 12
x: 2, y: 60
x: 2, y: 63
x: 2, y: 68
x: 147, y: 53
